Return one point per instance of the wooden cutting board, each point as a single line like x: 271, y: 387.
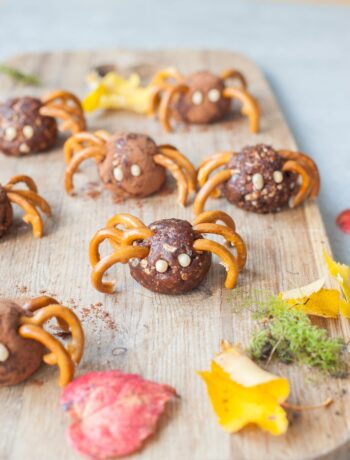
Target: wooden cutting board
x: 162, y: 337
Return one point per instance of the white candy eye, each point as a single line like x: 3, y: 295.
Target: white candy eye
x: 4, y: 353
x: 278, y: 176
x: 214, y: 95
x: 258, y: 181
x: 197, y: 98
x: 135, y: 170
x: 184, y: 260
x: 10, y: 133
x: 118, y: 174
x: 162, y: 266
x: 28, y: 131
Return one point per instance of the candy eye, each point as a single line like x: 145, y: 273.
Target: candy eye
x: 162, y: 266
x: 258, y: 181
x: 4, y: 353
x: 184, y: 260
x: 135, y: 170
x: 197, y: 98
x: 118, y: 174
x: 10, y: 133
x: 277, y: 176
x: 214, y: 95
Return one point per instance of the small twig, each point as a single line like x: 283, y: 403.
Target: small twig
x: 20, y: 77
x: 273, y: 350
x: 298, y: 408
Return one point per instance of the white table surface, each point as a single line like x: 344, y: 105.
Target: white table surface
x: 303, y: 49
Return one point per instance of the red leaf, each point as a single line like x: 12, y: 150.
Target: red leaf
x: 343, y: 221
x: 112, y: 412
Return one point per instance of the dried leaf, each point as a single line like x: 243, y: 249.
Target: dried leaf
x: 113, y: 413
x: 343, y: 221
x: 314, y: 299
x: 242, y: 393
x: 115, y: 92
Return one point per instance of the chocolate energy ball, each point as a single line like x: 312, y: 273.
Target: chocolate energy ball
x: 204, y: 101
x: 23, y: 130
x: 19, y: 358
x: 129, y: 168
x: 172, y: 265
x: 6, y: 213
x: 258, y: 183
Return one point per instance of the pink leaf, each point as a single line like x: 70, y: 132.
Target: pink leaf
x: 343, y: 221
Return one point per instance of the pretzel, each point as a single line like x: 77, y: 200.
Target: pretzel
x: 127, y: 220
x: 208, y: 187
x: 64, y: 361
x: 135, y: 234
x: 188, y: 168
x: 179, y: 176
x: 76, y: 346
x: 314, y: 173
x: 293, y: 166
x: 61, y: 113
x: 31, y: 215
x: 227, y: 258
x: 169, y: 72
x: 36, y: 200
x: 122, y: 255
x: 165, y: 105
x: 250, y: 107
x: 61, y: 95
x: 112, y: 234
x: 207, y: 217
x: 22, y: 179
x: 89, y: 152
x: 78, y: 142
x: 230, y: 236
x: 206, y: 168
x: 234, y: 74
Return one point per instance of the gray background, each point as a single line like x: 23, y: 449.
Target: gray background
x: 304, y: 49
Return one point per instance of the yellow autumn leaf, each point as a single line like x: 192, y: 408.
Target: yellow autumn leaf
x: 341, y: 273
x: 242, y: 393
x: 115, y: 92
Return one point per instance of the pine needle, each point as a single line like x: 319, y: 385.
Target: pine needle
x: 19, y: 76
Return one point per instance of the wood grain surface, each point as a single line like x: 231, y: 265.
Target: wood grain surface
x: 162, y: 337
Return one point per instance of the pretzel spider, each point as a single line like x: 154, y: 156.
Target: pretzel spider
x: 24, y: 341
x: 29, y: 200
x: 28, y: 125
x: 200, y: 98
x: 129, y: 164
x: 258, y: 179
x: 169, y: 256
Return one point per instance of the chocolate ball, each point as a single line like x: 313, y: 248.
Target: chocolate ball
x: 23, y: 130
x: 204, y: 102
x: 258, y: 183
x: 6, y: 213
x: 19, y: 357
x: 129, y: 169
x: 172, y: 265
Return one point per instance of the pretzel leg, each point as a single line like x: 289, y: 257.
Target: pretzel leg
x: 227, y: 258
x: 112, y: 234
x: 60, y: 95
x: 64, y: 361
x: 35, y: 200
x: 211, y: 217
x: 89, y: 152
x: 122, y: 255
x: 212, y: 183
x: 78, y: 141
x: 176, y: 171
x: 22, y: 179
x: 208, y: 167
x: 125, y: 219
x: 76, y: 346
x: 31, y: 215
x: 165, y: 105
x: 164, y: 74
x: 234, y: 74
x: 230, y: 236
x: 187, y: 167
x: 297, y: 168
x: 136, y: 234
x: 250, y: 107
x: 315, y: 175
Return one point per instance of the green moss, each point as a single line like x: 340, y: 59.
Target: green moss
x: 289, y: 336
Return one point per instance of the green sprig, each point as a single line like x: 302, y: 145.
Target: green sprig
x: 289, y: 336
x: 19, y: 76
